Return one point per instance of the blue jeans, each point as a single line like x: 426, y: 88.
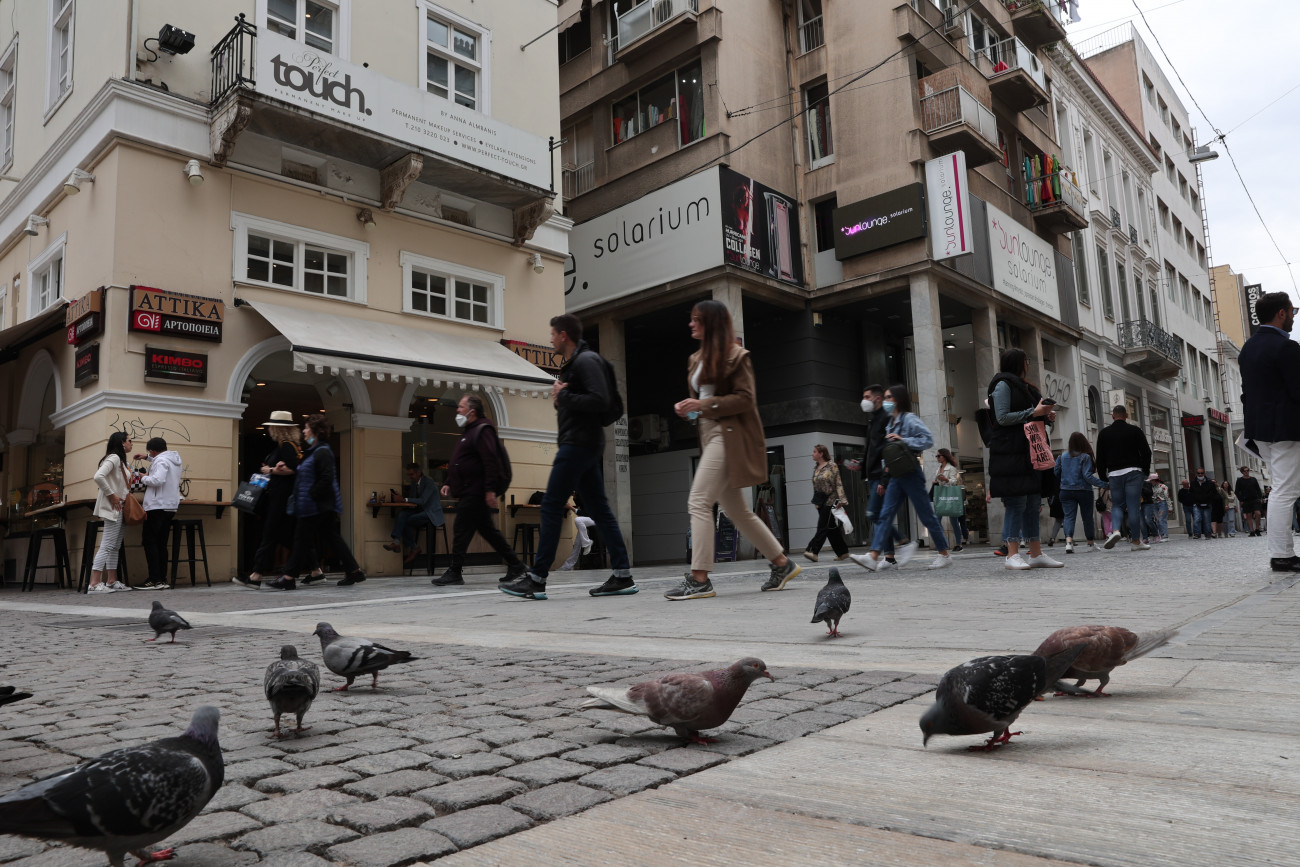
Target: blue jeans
x: 581, y: 470
x: 874, y: 502
x: 911, y: 486
x: 958, y: 524
x: 1126, y: 499
x: 408, y: 525
x: 1080, y: 502
x: 1150, y: 520
x: 1201, y: 523
x: 1162, y: 518
x: 1021, y: 518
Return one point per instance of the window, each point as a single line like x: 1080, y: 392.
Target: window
x: 1164, y: 213
x: 1208, y: 312
x: 1139, y: 294
x: 1189, y: 242
x: 1155, y: 145
x: 1183, y: 189
x: 283, y: 256
x: 1108, y: 167
x: 823, y: 213
x: 1121, y: 286
x: 454, y: 60
x: 578, y: 156
x: 445, y: 290
x: 62, y: 13
x: 315, y: 23
x: 1063, y: 131
x: 1205, y: 375
x: 1171, y: 282
x: 576, y: 39
x: 1164, y: 109
x: 45, y: 278
x: 678, y: 97
x: 1103, y: 280
x: 1178, y: 231
x: 4, y: 307
x: 1200, y: 256
x: 1175, y: 128
x: 1090, y: 157
x: 1196, y: 202
x: 1150, y: 89
x: 817, y: 106
x: 8, y: 91
x: 1155, y: 303
x: 1144, y: 216
x: 1080, y: 269
x: 811, y: 34
x: 1169, y: 170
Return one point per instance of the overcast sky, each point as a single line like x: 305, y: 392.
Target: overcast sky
x: 1235, y: 58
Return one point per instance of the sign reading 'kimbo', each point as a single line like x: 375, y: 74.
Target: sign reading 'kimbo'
x: 156, y: 311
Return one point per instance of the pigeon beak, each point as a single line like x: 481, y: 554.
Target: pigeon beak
x: 925, y: 739
x: 768, y: 674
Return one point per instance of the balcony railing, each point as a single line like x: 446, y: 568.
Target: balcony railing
x: 1145, y: 334
x: 1008, y: 55
x: 811, y: 35
x: 1132, y: 234
x: 957, y: 105
x: 1063, y: 191
x: 579, y: 179
x: 232, y: 59
x: 648, y: 16
x: 1055, y: 9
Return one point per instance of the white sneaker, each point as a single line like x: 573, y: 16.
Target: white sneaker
x: 883, y: 565
x: 101, y: 587
x: 1015, y: 561
x: 904, y: 553
x: 1111, y: 540
x: 118, y: 585
x: 866, y: 562
x: 1042, y: 561
x: 1141, y: 546
x: 942, y: 561
x: 1069, y: 546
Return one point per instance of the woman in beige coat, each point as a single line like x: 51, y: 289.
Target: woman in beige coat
x: 111, y: 479
x: 733, y: 451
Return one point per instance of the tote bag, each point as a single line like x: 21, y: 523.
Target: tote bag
x: 948, y: 501
x: 1040, y: 453
x: 132, y: 511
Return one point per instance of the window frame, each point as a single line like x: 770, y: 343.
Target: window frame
x: 357, y: 251
x: 8, y: 104
x: 815, y: 162
x: 61, y: 12
x: 496, y: 284
x: 342, y: 24
x: 1081, y: 269
x: 1103, y: 283
x: 41, y: 265
x: 483, y: 92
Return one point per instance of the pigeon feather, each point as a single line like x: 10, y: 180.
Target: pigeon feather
x: 1105, y: 649
x: 351, y: 657
x: 164, y: 620
x: 291, y: 684
x: 832, y: 603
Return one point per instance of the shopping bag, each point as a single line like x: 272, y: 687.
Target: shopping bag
x: 948, y: 501
x: 843, y: 517
x: 1040, y: 453
x: 249, y: 493
x: 132, y: 511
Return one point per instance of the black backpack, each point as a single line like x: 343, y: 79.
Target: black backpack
x: 507, y: 472
x: 614, y: 411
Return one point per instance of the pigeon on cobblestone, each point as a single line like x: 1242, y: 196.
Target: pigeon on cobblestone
x: 689, y: 703
x: 126, y: 799
x: 291, y: 685
x: 1105, y: 649
x: 832, y: 604
x: 163, y: 620
x: 9, y: 695
x: 988, y: 693
x: 352, y: 657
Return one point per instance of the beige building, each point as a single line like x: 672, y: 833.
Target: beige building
x: 1231, y: 294
x: 313, y: 206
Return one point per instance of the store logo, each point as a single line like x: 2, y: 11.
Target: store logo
x: 317, y: 83
x: 142, y: 321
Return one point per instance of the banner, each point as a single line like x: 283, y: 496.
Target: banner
x: 948, y: 199
x: 1024, y: 265
x: 1253, y: 293
x: 880, y: 221
x: 760, y: 228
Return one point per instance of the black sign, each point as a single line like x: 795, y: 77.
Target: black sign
x: 92, y: 325
x: 760, y: 228
x: 1253, y: 293
x: 1193, y: 420
x: 175, y: 315
x: 87, y: 361
x: 880, y: 221
x: 170, y: 365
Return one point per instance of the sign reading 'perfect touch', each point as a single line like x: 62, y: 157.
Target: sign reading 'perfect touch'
x: 156, y: 311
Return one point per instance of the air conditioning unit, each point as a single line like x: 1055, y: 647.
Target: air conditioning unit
x: 646, y: 428
x: 954, y: 23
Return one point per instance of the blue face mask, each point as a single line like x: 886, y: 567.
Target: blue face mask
x: 887, y: 406
x: 311, y: 441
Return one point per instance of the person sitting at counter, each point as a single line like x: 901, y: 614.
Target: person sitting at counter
x: 424, y: 495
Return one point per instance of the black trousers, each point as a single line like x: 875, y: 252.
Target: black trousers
x: 828, y: 528
x: 474, y: 516
x: 313, y: 535
x: 277, y: 529
x: 153, y: 538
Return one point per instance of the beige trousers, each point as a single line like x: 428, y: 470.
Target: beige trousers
x: 710, y: 486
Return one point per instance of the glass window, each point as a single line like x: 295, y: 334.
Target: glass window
x: 576, y: 39
x: 1080, y: 269
x: 1121, y: 287
x: 1103, y: 281
x: 62, y: 15
x: 823, y: 213
x: 8, y: 91
x: 451, y: 291
x: 453, y: 62
x: 817, y: 106
x: 1171, y: 282
x: 678, y: 96
x: 315, y: 23
x: 1139, y: 294
x: 282, y: 256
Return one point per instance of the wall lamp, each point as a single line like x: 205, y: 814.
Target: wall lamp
x: 34, y: 224
x: 72, y: 185
x: 536, y: 261
x: 194, y: 172
x: 366, y: 218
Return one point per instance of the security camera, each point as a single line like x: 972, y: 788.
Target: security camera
x: 194, y: 172
x: 536, y: 261
x: 34, y: 224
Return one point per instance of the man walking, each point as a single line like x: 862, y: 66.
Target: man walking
x: 476, y: 476
x: 424, y: 495
x: 1124, y: 460
x: 1250, y: 497
x: 1270, y: 385
x: 1203, y: 494
x: 1185, y: 500
x: 581, y: 397
x: 876, y: 476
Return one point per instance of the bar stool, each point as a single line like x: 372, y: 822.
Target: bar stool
x: 529, y: 532
x: 431, y: 547
x: 60, y: 563
x: 190, y: 527
x: 93, y: 527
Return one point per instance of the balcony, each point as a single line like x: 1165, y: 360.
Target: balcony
x: 811, y: 35
x: 1056, y: 202
x: 579, y: 179
x: 640, y: 25
x: 955, y: 120
x: 1038, y: 22
x: 1149, y: 350
x: 1014, y: 73
x: 1132, y: 234
x: 1115, y: 219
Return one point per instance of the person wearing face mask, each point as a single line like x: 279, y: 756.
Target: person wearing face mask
x: 1204, y: 493
x: 874, y: 474
x: 476, y: 477
x: 1270, y: 386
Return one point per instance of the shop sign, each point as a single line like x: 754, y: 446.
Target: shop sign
x: 1193, y: 420
x: 91, y: 302
x: 1058, y: 388
x: 171, y: 365
x: 948, y: 200
x: 1024, y: 265
x: 156, y: 311
x: 85, y: 328
x: 1220, y: 417
x: 87, y: 365
x: 880, y: 221
x: 760, y: 228
x: 539, y: 356
x: 1161, y: 435
x: 1253, y: 293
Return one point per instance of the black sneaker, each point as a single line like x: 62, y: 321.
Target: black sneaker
x: 514, y: 572
x: 1000, y: 551
x: 246, y: 582
x: 281, y: 583
x: 615, y: 586
x: 315, y: 578
x: 352, y: 578
x: 691, y: 589
x: 956, y: 549
x: 526, y: 587
x: 448, y: 578
x: 781, y: 575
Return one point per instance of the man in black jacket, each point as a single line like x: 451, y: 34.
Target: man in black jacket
x: 874, y: 474
x: 1251, y: 498
x: 1204, y: 490
x: 581, y: 397
x: 1270, y: 385
x: 1124, y: 460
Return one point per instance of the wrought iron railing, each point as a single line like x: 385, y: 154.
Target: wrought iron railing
x: 1115, y: 218
x: 232, y: 59
x: 1064, y: 191
x: 1132, y: 234
x: 955, y: 105
x: 1143, y: 334
x: 811, y: 34
x: 645, y: 17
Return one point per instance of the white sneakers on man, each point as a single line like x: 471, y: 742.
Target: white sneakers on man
x: 941, y: 561
x: 1069, y: 546
x: 1042, y: 561
x: 866, y: 561
x: 904, y: 553
x: 1111, y: 540
x: 1015, y: 561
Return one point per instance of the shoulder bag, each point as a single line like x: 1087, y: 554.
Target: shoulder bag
x: 132, y: 511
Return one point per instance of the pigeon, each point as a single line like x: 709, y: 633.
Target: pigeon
x: 349, y: 657
x: 1106, y: 648
x: 162, y: 620
x: 291, y: 684
x: 988, y: 693
x: 689, y: 703
x: 9, y: 695
x: 126, y: 799
x: 832, y: 604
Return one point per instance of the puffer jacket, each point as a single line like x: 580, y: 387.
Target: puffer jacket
x: 316, y: 488
x: 163, y: 483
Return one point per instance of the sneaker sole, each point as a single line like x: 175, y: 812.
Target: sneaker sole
x: 625, y: 592
x: 534, y: 596
x: 785, y: 580
x: 1110, y: 543
x: 705, y: 595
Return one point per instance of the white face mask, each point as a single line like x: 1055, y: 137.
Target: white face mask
x: 460, y: 420
x: 867, y: 406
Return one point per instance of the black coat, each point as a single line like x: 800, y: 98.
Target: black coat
x: 1122, y: 445
x: 1011, y: 471
x: 586, y: 398
x: 1270, y: 386
x: 871, y: 468
x: 1204, y: 491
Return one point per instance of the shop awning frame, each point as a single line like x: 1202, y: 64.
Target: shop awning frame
x: 16, y: 338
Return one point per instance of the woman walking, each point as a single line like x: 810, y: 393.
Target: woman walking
x: 317, y: 505
x: 906, y: 428
x: 112, y: 479
x: 1229, y: 510
x: 1160, y: 496
x: 1218, y: 508
x: 1075, y: 469
x: 828, y: 494
x: 949, y: 475
x: 278, y: 520
x: 733, y: 451
x: 1012, y: 476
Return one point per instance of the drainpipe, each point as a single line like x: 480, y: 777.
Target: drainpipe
x: 796, y: 135
x: 132, y: 34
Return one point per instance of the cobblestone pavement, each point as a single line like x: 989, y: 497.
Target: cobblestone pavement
x: 463, y: 746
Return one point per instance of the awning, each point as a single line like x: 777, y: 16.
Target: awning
x: 16, y: 338
x: 570, y: 11
x: 326, y: 342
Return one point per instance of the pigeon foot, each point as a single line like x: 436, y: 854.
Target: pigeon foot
x: 147, y: 640
x: 300, y: 729
x: 996, y: 741
x: 152, y: 857
x: 698, y: 738
x: 343, y: 688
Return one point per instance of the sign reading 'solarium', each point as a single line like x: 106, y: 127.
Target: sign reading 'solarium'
x: 1024, y: 265
x: 156, y: 311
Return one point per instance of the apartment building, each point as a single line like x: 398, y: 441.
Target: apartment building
x: 212, y: 211
x: 775, y: 157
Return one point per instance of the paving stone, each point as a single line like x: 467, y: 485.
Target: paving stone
x: 735, y: 745
x: 587, y: 737
x: 382, y: 815
x: 396, y: 783
x: 454, y: 747
x: 392, y: 849
x: 544, y: 772
x: 311, y: 804
x: 816, y: 696
x: 560, y: 799
x: 331, y: 755
x: 213, y: 826
x: 626, y: 779
x: 62, y: 857
x: 604, y: 755
x: 293, y: 859
x: 479, y: 825
x: 386, y: 744
x: 473, y: 764
x: 299, y: 836
x: 12, y: 848
x: 651, y: 743
x: 683, y: 760
x: 247, y: 772
x: 471, y: 792
x: 779, y: 705
x: 784, y: 729
x: 214, y: 855
x: 540, y: 748
x: 383, y: 763
x: 435, y: 732
x: 499, y: 737
x: 311, y: 778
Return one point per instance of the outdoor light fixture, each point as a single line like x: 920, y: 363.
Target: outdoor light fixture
x: 1202, y: 154
x: 72, y: 185
x: 366, y: 218
x: 194, y: 172
x: 948, y: 344
x: 536, y: 261
x: 34, y: 224
x: 173, y: 40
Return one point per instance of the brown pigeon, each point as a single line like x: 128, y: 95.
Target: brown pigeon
x: 1106, y: 648
x: 689, y: 703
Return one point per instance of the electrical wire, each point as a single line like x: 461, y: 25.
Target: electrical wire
x: 1262, y: 110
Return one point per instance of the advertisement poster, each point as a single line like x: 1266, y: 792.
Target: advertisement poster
x: 760, y: 228
x: 172, y: 365
x: 949, y: 202
x: 1024, y: 265
x: 880, y: 221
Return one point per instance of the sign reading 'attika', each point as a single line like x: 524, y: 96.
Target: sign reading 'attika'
x: 158, y: 312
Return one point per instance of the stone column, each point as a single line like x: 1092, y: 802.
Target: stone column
x: 731, y: 295
x: 984, y: 324
x: 618, y: 468
x: 930, y: 403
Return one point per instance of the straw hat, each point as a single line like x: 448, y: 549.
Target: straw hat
x: 281, y: 418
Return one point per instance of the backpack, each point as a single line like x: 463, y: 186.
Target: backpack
x: 507, y: 472
x: 615, y: 410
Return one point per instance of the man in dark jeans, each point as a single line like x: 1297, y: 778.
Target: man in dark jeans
x: 1204, y: 490
x: 1124, y: 460
x: 874, y: 474
x: 581, y: 397
x: 161, y: 499
x: 476, y: 477
x: 1251, y: 499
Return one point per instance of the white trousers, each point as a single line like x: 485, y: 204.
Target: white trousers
x: 581, y: 542
x: 110, y: 540
x: 1283, y: 460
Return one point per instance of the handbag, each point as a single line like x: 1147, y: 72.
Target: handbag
x: 132, y: 511
x: 948, y: 501
x: 1101, y: 505
x: 249, y: 493
x: 899, y: 459
x: 843, y: 517
x: 1040, y: 453
x: 820, y: 499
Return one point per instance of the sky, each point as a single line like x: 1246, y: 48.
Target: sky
x: 1235, y: 58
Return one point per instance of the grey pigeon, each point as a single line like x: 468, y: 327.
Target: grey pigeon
x: 1106, y: 648
x: 988, y: 693
x: 832, y: 604
x: 126, y: 799
x: 352, y: 657
x: 689, y: 703
x: 162, y: 620
x: 291, y: 685
x: 9, y: 695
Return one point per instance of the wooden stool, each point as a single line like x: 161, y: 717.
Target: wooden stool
x: 190, y: 527
x: 431, y: 549
x: 88, y: 557
x: 60, y: 563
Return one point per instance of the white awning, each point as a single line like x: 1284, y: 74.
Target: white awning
x: 326, y: 342
x: 570, y: 10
